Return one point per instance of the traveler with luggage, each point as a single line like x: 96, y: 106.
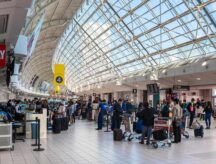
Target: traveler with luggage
x: 177, y: 114
x: 148, y: 120
x: 192, y: 109
x: 208, y: 113
x: 117, y: 112
x: 62, y: 110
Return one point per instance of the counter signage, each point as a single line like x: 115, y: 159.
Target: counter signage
x: 2, y: 55
x: 181, y: 88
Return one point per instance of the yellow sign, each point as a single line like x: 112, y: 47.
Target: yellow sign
x: 58, y: 74
x: 57, y: 89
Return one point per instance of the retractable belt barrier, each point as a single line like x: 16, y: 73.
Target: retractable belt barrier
x: 37, y: 139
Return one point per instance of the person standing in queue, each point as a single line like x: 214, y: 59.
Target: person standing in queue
x: 208, y: 113
x: 191, y: 108
x: 147, y: 116
x: 177, y: 114
x: 117, y: 112
x: 102, y: 109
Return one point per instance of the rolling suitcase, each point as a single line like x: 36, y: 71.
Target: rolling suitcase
x: 199, y: 132
x: 56, y: 125
x: 64, y: 123
x: 117, y: 135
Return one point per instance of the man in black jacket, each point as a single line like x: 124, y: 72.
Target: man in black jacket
x: 192, y: 109
x: 117, y: 111
x: 148, y: 121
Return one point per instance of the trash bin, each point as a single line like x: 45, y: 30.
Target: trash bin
x: 34, y: 129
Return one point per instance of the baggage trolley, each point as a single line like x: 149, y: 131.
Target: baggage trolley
x: 162, y: 125
x: 184, y: 126
x: 127, y: 122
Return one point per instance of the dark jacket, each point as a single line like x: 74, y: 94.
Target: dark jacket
x: 165, y: 111
x: 208, y: 110
x: 117, y: 110
x: 191, y: 108
x: 148, y: 117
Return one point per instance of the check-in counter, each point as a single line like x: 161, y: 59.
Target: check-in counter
x: 43, y: 123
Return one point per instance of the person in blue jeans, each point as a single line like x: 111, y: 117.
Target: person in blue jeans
x: 147, y: 115
x: 208, y: 113
x: 102, y: 109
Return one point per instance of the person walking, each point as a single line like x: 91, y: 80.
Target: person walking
x: 192, y: 109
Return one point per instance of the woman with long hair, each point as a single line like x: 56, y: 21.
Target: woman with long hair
x: 208, y: 113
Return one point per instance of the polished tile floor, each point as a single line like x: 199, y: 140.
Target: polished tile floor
x: 83, y: 144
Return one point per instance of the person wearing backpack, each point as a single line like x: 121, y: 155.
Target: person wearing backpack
x: 165, y: 110
x: 208, y: 113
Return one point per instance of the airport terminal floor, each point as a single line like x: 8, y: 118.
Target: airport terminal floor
x: 82, y: 144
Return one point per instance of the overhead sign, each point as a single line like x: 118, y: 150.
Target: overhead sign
x: 2, y: 56
x: 34, y: 37
x: 181, y: 88
x: 57, y: 89
x: 58, y: 74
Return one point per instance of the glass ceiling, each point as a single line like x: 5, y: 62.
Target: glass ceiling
x: 114, y: 39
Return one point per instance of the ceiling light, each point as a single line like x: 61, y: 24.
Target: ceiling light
x: 179, y: 81
x: 164, y: 71
x: 204, y: 63
x: 118, y: 83
x: 198, y: 79
x: 99, y: 86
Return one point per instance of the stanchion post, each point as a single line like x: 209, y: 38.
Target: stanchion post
x: 38, y: 136
x: 36, y: 139
x: 107, y: 122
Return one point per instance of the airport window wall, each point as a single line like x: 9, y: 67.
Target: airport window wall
x: 112, y: 40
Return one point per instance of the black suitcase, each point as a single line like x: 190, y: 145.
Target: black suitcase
x: 56, y: 125
x: 117, y: 135
x: 199, y: 132
x: 160, y: 135
x: 90, y: 115
x: 64, y: 123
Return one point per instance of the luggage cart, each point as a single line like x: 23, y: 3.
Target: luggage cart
x: 184, y: 126
x: 162, y: 125
x: 128, y: 123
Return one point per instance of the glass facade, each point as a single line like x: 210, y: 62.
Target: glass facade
x: 114, y: 39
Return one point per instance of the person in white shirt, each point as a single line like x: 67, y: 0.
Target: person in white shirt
x: 95, y: 107
x: 177, y: 116
x: 61, y: 110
